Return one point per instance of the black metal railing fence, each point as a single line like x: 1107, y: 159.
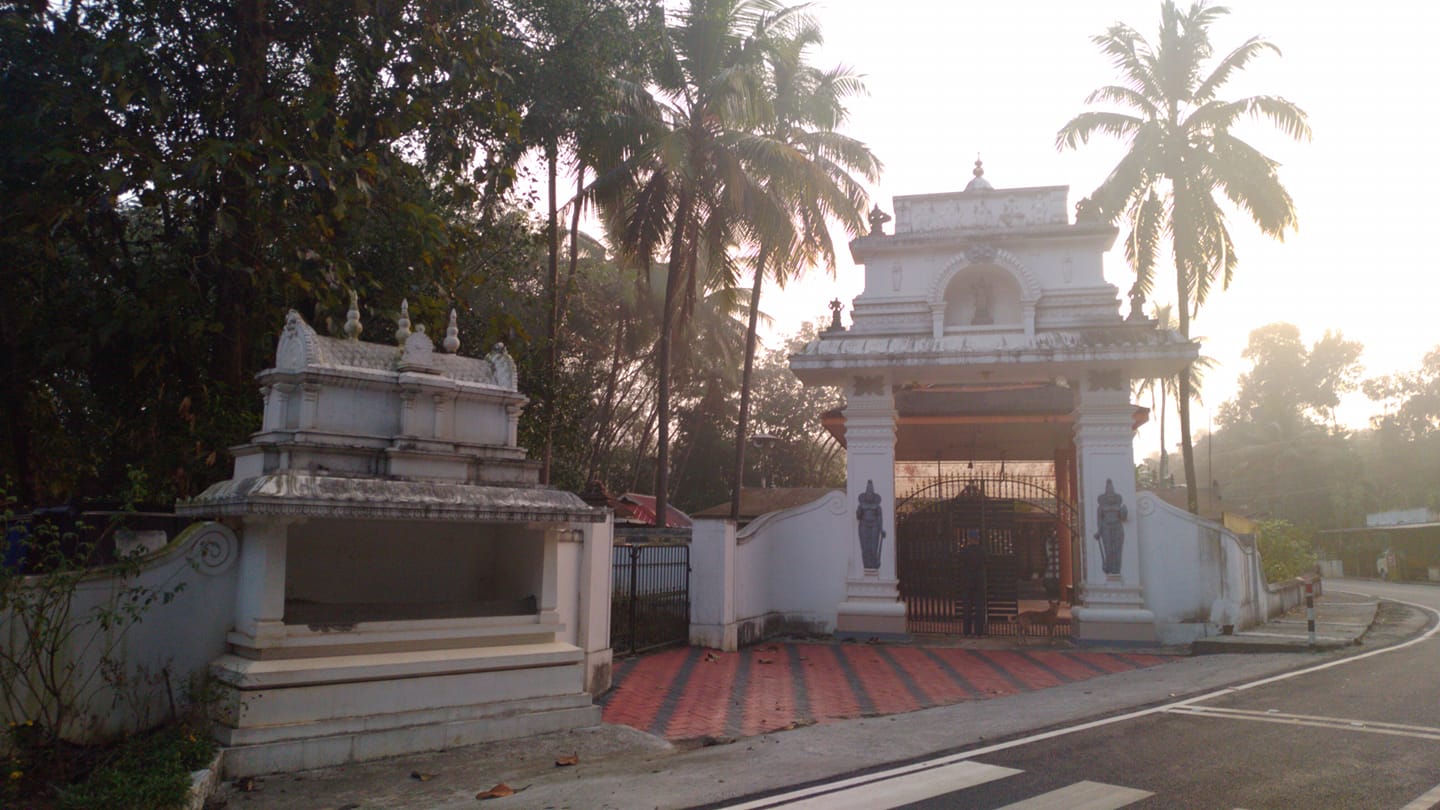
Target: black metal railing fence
x: 650, y: 589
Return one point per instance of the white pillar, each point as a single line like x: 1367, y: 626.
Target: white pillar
x: 872, y: 605
x: 712, y: 585
x: 593, y: 633
x: 1112, y: 603
x: 260, y: 592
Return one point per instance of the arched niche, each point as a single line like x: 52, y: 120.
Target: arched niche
x: 982, y: 296
x: 985, y: 289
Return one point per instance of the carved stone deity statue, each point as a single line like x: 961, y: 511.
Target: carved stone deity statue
x: 983, y: 295
x: 1110, y: 517
x: 872, y: 530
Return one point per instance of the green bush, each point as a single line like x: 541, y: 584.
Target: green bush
x: 149, y: 770
x: 1285, y: 550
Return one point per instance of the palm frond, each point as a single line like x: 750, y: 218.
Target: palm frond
x: 1234, y: 61
x: 1249, y: 180
x: 1079, y: 129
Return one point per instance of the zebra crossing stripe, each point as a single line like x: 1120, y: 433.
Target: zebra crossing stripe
x: 1082, y: 796
x: 895, y: 791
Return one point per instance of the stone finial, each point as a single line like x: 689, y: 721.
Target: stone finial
x: 353, y: 327
x: 878, y: 219
x: 1137, y: 303
x: 451, y: 343
x: 402, y: 324
x: 979, y: 183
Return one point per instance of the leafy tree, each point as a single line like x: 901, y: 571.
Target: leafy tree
x: 568, y: 56
x: 1169, y: 388
x: 1182, y: 158
x: 812, y: 168
x: 178, y: 174
x: 1290, y: 384
x: 690, y: 185
x: 1412, y: 399
x: 1286, y: 550
x: 805, y: 454
x: 1279, y: 453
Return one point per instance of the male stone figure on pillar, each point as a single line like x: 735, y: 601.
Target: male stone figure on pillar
x: 872, y: 531
x: 1110, y: 516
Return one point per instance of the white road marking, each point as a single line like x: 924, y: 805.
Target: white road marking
x: 1262, y: 634
x: 1429, y: 801
x: 1272, y: 716
x: 1304, y: 622
x: 831, y: 787
x: 898, y: 790
x: 1083, y: 796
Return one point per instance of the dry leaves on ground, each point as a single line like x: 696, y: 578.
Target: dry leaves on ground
x: 500, y: 791
x: 564, y: 762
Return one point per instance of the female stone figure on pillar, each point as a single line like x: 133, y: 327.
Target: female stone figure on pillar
x: 1110, y: 516
x: 872, y: 529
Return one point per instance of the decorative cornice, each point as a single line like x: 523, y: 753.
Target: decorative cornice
x: 301, y: 494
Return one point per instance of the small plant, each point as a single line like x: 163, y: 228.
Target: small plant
x: 1285, y: 550
x: 148, y: 770
x: 55, y: 647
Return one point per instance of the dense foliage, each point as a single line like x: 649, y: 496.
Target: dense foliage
x: 1277, y: 451
x: 180, y: 174
x: 1285, y: 550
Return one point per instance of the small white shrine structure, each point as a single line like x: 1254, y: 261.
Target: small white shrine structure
x: 403, y: 582
x: 986, y: 334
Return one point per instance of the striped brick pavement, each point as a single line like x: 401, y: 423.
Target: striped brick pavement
x: 693, y: 693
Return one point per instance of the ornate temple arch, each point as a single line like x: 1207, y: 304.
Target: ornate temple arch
x: 979, y: 260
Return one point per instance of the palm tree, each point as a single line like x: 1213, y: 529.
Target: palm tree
x: 809, y: 167
x: 1182, y: 152
x: 690, y: 186
x: 1169, y: 387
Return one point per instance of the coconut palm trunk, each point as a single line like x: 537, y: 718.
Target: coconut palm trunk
x: 742, y: 427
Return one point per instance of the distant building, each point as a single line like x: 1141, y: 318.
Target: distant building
x: 1403, y: 543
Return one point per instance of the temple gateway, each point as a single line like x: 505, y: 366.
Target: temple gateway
x: 987, y: 376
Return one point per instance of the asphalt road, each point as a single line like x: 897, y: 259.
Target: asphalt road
x: 1359, y: 732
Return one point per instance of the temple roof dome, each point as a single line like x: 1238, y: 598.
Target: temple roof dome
x: 979, y: 183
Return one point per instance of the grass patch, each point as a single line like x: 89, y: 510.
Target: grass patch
x: 150, y: 770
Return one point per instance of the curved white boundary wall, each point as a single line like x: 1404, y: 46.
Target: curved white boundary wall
x: 180, y: 638
x: 783, y: 573
x: 1198, y: 576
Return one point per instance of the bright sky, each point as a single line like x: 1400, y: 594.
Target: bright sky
x: 949, y: 80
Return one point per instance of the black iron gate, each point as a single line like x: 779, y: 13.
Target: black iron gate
x: 1014, y: 516
x: 650, y: 591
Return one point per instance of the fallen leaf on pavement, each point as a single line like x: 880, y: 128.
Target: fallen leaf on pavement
x: 500, y: 791
x: 562, y: 762
x: 767, y: 660
x: 423, y: 777
x: 247, y: 784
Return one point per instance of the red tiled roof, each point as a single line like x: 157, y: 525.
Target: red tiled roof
x: 634, y: 508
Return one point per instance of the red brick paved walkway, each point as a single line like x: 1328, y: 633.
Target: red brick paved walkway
x: 692, y: 692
